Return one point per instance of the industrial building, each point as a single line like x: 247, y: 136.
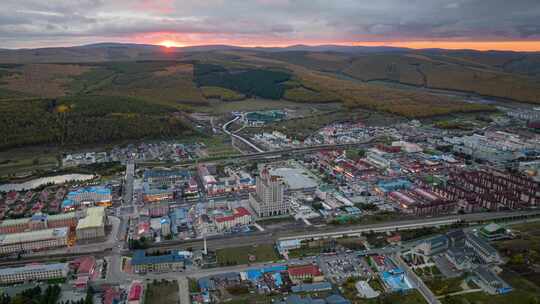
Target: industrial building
x: 93, y: 225
x: 33, y: 241
x: 33, y: 272
x: 268, y: 198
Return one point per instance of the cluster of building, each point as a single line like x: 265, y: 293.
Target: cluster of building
x: 341, y: 133
x: 20, y: 203
x: 168, y: 185
x: 459, y: 251
x: 490, y: 189
x: 217, y: 184
x: 163, y: 151
x: 495, y: 147
x: 276, y: 141
x: 295, y: 279
x: 43, y: 232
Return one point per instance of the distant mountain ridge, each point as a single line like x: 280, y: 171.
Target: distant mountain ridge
x: 112, y: 51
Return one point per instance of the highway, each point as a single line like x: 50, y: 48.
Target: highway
x: 247, y: 142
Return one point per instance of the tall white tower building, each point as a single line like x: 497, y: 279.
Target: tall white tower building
x: 268, y: 199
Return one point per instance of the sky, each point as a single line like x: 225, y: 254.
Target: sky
x: 474, y: 24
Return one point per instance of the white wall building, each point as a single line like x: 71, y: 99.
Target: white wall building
x: 93, y: 225
x: 268, y: 198
x: 33, y: 240
x: 33, y: 273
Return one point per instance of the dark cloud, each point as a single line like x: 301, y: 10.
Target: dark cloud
x: 37, y: 22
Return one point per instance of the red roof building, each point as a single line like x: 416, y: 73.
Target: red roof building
x: 241, y: 216
x: 87, y: 266
x: 305, y: 272
x: 135, y: 293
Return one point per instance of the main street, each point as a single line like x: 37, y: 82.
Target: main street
x: 304, y: 233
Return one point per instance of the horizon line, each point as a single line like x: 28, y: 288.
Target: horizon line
x: 501, y: 46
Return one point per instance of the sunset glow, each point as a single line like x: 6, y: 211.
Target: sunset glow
x: 170, y: 43
x: 449, y: 24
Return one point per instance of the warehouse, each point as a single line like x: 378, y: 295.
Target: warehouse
x: 33, y: 241
x: 93, y: 225
x: 33, y: 273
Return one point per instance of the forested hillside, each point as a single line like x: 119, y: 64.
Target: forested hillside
x: 84, y: 120
x: 127, y: 92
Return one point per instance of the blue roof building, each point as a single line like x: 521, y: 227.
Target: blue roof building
x: 141, y: 262
x: 393, y: 185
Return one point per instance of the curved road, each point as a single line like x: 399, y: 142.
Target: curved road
x: 247, y: 142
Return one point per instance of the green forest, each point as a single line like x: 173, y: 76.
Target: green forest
x: 251, y: 82
x: 84, y: 120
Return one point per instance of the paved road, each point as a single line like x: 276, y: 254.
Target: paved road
x: 183, y: 290
x: 247, y: 142
x: 268, y: 237
x: 329, y: 231
x: 128, y: 182
x: 417, y: 281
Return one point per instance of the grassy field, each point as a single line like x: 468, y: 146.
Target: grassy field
x: 26, y: 160
x: 221, y: 94
x: 411, y: 297
x: 259, y: 104
x: 524, y: 291
x: 240, y: 255
x: 161, y: 292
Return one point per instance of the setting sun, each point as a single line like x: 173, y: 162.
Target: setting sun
x: 170, y: 43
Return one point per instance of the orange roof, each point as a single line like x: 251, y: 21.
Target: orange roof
x: 304, y: 270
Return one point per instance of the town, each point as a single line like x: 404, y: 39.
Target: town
x: 352, y: 213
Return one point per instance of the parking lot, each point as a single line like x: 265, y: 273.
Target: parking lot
x: 341, y: 266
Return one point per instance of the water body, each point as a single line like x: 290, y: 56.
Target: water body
x: 38, y: 182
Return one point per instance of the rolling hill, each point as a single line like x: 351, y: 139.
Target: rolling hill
x: 110, y: 75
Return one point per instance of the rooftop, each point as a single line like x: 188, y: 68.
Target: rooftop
x: 295, y: 178
x: 305, y: 269
x: 95, y: 217
x: 140, y: 258
x: 32, y: 236
x: 35, y: 267
x: 165, y: 173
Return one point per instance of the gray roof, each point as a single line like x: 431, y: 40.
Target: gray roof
x: 480, y: 242
x: 312, y: 287
x: 34, y: 267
